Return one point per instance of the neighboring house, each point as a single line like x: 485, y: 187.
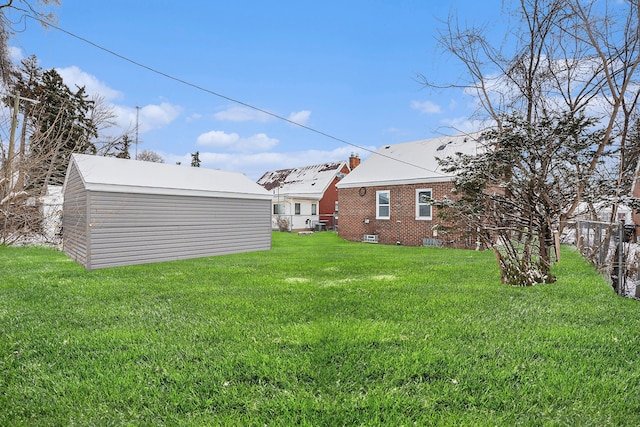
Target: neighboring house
x: 306, y: 197
x: 51, y: 206
x: 601, y: 212
x: 121, y: 212
x: 387, y: 198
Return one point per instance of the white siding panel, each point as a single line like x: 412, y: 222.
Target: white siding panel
x: 128, y: 229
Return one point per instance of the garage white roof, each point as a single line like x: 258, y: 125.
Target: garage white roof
x: 111, y: 174
x: 410, y: 162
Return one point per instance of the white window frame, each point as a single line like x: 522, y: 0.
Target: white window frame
x: 278, y: 209
x: 379, y: 205
x: 420, y: 204
x: 314, y: 209
x: 297, y: 208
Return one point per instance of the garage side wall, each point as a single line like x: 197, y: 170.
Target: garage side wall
x: 74, y: 219
x: 131, y: 229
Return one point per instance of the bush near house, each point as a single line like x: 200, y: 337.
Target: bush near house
x: 317, y: 331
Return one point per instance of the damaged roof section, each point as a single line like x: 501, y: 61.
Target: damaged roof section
x: 304, y: 181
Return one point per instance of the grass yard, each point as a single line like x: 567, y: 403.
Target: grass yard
x: 317, y: 331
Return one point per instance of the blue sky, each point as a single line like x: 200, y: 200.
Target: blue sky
x: 344, y: 68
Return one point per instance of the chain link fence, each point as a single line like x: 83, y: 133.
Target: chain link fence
x: 613, y: 249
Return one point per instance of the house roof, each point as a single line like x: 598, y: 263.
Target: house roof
x: 308, y: 182
x: 410, y: 162
x: 111, y: 174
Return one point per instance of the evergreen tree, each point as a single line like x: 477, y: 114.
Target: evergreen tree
x: 195, y: 159
x: 123, y: 146
x: 63, y: 126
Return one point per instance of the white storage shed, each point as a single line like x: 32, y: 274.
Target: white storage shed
x: 121, y: 212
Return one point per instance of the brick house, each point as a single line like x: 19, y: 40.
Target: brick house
x: 386, y: 199
x: 306, y: 198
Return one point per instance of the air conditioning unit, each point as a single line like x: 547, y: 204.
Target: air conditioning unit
x: 371, y: 238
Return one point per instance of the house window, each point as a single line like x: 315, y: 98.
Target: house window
x: 314, y: 209
x: 423, y: 204
x: 297, y: 208
x: 278, y: 208
x: 383, y: 204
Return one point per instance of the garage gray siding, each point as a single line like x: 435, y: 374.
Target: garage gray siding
x: 74, y: 224
x: 128, y: 229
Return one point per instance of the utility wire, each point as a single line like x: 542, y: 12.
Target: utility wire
x: 219, y: 95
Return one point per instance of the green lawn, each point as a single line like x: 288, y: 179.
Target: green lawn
x: 317, y: 331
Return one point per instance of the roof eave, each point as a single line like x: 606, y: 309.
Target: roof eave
x: 391, y: 182
x: 132, y: 189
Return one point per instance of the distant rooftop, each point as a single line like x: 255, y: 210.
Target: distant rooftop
x: 308, y: 181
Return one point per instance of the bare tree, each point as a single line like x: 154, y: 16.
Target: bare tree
x: 150, y: 156
x: 21, y: 216
x: 558, y: 57
x: 56, y: 123
x: 34, y: 8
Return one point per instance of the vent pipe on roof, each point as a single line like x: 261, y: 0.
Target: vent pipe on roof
x: 443, y: 146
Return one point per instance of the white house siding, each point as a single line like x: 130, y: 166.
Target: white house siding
x: 130, y: 229
x: 305, y: 220
x: 52, y: 213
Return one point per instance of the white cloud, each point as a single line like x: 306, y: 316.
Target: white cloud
x: 15, y: 54
x: 74, y: 76
x: 241, y: 114
x: 218, y: 139
x: 233, y: 142
x: 300, y: 117
x: 149, y: 117
x: 159, y: 115
x: 258, y: 142
x: 426, y: 107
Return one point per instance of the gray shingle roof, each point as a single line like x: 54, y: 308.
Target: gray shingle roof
x: 410, y: 162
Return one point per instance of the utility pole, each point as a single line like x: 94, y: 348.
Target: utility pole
x: 12, y: 144
x: 137, y: 123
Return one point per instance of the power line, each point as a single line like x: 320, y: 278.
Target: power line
x: 219, y: 95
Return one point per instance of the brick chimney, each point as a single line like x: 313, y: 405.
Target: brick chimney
x: 354, y: 161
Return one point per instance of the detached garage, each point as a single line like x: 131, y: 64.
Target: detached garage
x: 122, y: 212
